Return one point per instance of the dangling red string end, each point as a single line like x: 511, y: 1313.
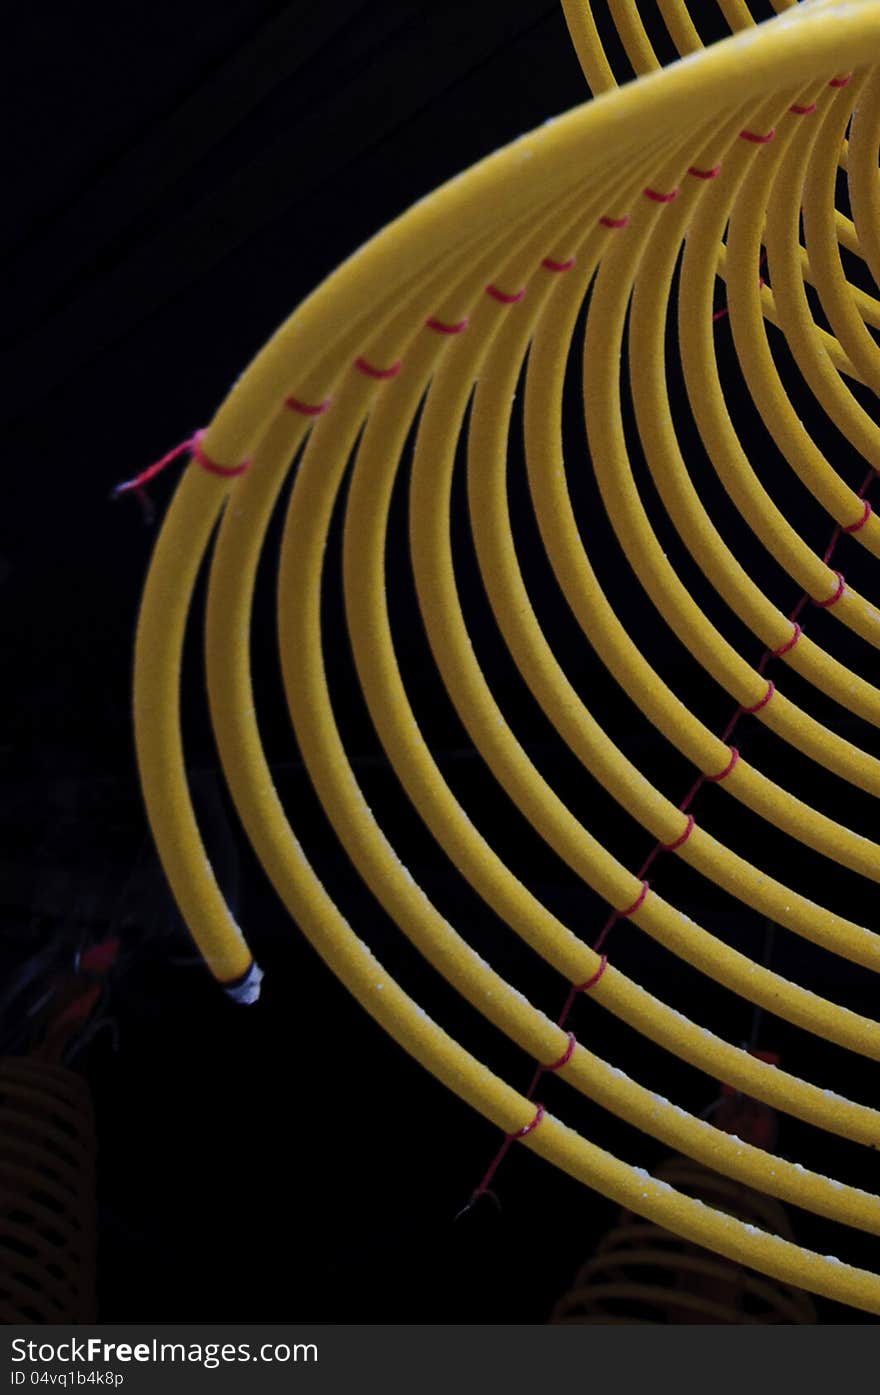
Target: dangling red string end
x: 193, y: 445
x: 153, y: 470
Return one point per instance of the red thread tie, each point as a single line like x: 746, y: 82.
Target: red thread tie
x: 789, y: 643
x: 660, y: 198
x: 552, y: 265
x: 637, y: 903
x: 509, y: 1138
x: 757, y: 139
x: 771, y: 689
x: 483, y: 1188
x: 505, y: 297
x: 679, y: 842
x: 226, y: 471
x: 854, y: 527
x: 373, y: 372
x: 591, y: 982
x: 608, y: 222
x: 832, y: 600
x: 152, y: 470
x: 734, y: 757
x: 841, y: 81
x: 194, y: 447
x: 566, y: 1055
x: 720, y: 314
x: 443, y: 328
x: 803, y: 111
x: 704, y: 174
x: 529, y: 1128
x: 307, y: 409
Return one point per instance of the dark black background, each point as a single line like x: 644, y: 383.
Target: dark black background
x: 181, y: 176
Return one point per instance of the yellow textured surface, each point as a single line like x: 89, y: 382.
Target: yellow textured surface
x: 546, y: 196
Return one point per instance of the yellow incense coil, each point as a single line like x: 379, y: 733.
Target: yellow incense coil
x: 47, y: 1195
x: 424, y: 333
x: 642, y: 1274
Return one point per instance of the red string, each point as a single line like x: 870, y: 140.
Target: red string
x: 591, y: 982
x: 552, y: 265
x: 509, y: 1138
x: 720, y: 314
x: 661, y: 198
x: 788, y: 645
x: 371, y: 371
x: 679, y: 842
x: 712, y: 173
x: 193, y: 445
x: 728, y: 769
x: 803, y: 111
x: 505, y: 297
x: 608, y: 222
x: 226, y: 471
x: 529, y: 1128
x: 637, y: 903
x: 771, y: 689
x: 153, y: 470
x: 615, y: 915
x: 573, y: 992
x: 757, y: 139
x: 443, y: 328
x: 566, y: 1055
x: 832, y: 600
x: 483, y: 1188
x: 855, y: 527
x: 307, y: 409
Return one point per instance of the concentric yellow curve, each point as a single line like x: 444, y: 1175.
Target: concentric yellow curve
x: 583, y: 207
